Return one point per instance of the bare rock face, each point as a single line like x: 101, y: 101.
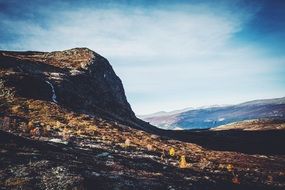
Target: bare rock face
x: 77, y: 78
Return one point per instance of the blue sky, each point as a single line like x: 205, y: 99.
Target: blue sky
x: 169, y: 54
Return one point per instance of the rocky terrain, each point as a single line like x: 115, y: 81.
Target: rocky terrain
x: 77, y: 131
x: 57, y: 149
x: 78, y: 79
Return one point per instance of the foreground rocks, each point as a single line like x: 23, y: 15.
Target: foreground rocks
x: 76, y: 151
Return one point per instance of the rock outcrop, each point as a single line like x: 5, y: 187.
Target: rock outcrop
x: 79, y: 79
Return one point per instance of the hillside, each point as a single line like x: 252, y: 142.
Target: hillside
x: 50, y: 147
x: 78, y: 79
x: 203, y: 118
x: 77, y: 131
x: 253, y: 125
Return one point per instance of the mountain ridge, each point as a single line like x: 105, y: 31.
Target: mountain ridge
x: 220, y: 115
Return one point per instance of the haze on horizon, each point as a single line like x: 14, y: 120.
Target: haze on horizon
x: 169, y: 54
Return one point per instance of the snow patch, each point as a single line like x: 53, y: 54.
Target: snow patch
x: 75, y: 72
x: 53, y: 92
x: 177, y: 128
x: 104, y: 154
x: 55, y: 140
x: 221, y: 119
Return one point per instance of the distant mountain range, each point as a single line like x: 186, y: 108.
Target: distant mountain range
x: 210, y: 117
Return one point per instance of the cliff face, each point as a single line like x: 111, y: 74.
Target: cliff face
x: 77, y: 78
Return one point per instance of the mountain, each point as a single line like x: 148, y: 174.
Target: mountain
x: 211, y: 117
x: 65, y: 123
x: 78, y: 79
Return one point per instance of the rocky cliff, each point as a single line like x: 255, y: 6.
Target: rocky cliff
x: 78, y: 79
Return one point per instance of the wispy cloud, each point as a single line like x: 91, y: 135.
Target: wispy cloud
x: 124, y: 32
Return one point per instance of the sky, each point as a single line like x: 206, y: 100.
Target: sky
x: 169, y: 54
